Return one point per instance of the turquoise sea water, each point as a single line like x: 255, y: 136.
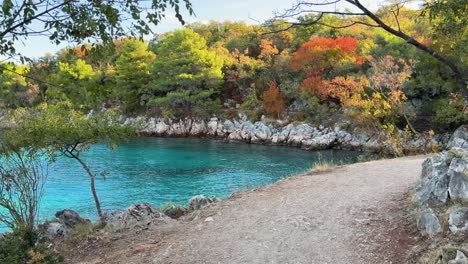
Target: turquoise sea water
x: 160, y: 170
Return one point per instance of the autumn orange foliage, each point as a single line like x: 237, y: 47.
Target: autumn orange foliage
x: 318, y: 54
x: 273, y: 100
x: 267, y: 49
x: 313, y: 86
x: 81, y: 51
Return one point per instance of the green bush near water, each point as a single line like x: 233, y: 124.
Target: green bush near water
x: 20, y: 248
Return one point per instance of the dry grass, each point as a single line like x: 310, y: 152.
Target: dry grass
x: 324, y: 166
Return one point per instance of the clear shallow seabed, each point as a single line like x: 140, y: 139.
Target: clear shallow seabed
x: 161, y: 170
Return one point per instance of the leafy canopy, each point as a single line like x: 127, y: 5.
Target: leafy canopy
x: 186, y: 71
x: 78, y: 20
x: 59, y: 129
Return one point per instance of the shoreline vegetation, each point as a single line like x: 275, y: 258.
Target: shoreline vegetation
x: 390, y: 81
x: 286, y: 133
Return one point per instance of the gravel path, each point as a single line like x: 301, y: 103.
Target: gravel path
x: 353, y: 214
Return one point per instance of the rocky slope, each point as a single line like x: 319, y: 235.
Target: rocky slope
x: 441, y: 201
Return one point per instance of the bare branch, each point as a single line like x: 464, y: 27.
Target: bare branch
x: 27, y: 20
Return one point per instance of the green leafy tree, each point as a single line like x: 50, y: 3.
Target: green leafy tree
x: 79, y: 20
x: 449, y: 21
x: 186, y: 73
x: 58, y: 130
x: 14, y: 88
x: 77, y: 82
x: 450, y: 114
x: 133, y: 71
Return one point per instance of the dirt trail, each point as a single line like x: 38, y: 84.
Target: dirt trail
x: 353, y: 214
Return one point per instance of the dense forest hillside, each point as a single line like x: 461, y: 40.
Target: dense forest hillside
x: 317, y: 73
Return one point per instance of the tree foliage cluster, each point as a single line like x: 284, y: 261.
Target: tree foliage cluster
x: 208, y: 66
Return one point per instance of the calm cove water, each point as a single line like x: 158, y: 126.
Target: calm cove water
x: 160, y: 170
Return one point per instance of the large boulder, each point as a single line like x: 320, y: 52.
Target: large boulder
x: 300, y: 133
x: 429, y: 223
x: 136, y: 216
x: 149, y: 126
x: 53, y: 230
x: 282, y: 136
x: 200, y: 201
x: 321, y: 141
x: 235, y: 135
x: 458, y: 220
x: 459, y: 138
x: 229, y: 126
x: 261, y: 133
x: 246, y: 130
x: 70, y: 218
x: 459, y: 259
x: 434, y: 180
x: 458, y: 174
x: 63, y: 224
x: 444, y: 183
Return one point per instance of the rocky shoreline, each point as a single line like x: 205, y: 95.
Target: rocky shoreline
x: 273, y: 132
x: 277, y: 132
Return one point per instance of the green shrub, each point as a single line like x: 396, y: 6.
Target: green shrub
x: 448, y: 116
x: 207, y: 109
x: 251, y: 102
x: 19, y: 247
x: 14, y: 249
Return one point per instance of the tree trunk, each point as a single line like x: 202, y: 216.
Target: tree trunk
x: 93, y: 185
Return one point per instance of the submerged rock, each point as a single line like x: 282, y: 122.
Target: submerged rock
x: 200, y: 201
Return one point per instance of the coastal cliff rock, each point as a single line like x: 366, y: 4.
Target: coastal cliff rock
x: 274, y: 133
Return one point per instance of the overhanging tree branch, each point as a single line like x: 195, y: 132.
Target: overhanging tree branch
x: 298, y: 8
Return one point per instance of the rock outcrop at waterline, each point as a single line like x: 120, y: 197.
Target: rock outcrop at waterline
x: 276, y: 133
x: 135, y: 217
x: 62, y: 225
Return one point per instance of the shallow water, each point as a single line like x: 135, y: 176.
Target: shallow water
x: 161, y: 170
